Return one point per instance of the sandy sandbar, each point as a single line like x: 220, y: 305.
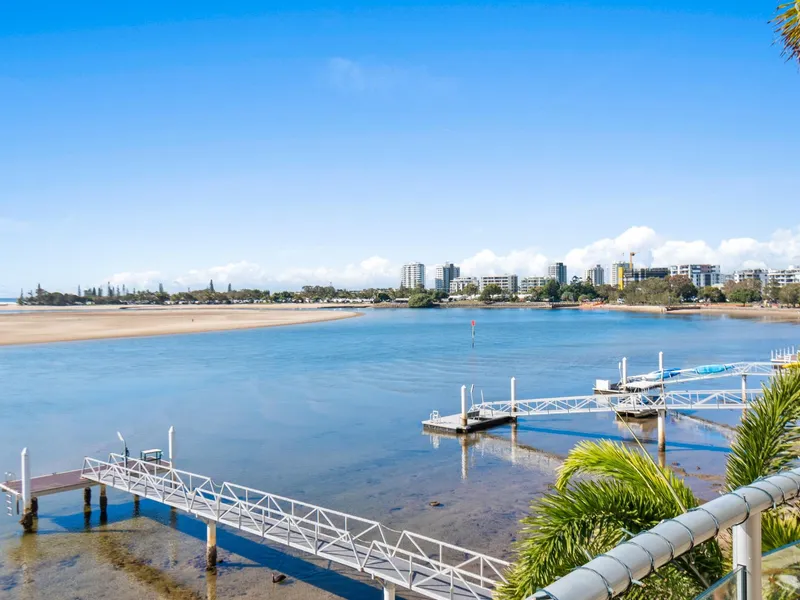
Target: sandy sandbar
x: 41, y: 326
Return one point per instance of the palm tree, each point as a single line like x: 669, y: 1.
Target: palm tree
x: 787, y: 26
x: 606, y: 492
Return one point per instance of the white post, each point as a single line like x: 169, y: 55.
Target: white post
x: 744, y: 389
x: 662, y: 430
x: 463, y: 406
x: 747, y: 554
x: 388, y: 591
x: 660, y: 361
x: 513, y: 395
x: 26, y: 480
x: 464, y: 458
x: 211, y: 545
x: 172, y: 446
x: 624, y: 371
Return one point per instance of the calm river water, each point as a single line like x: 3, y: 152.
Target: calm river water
x: 329, y: 413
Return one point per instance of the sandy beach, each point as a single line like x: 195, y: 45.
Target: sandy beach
x: 758, y: 312
x: 41, y: 325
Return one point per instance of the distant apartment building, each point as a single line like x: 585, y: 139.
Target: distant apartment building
x: 745, y: 274
x: 413, y: 276
x: 508, y: 283
x: 458, y: 284
x: 641, y: 273
x: 558, y: 271
x: 596, y: 275
x: 701, y: 275
x: 783, y: 277
x: 617, y: 273
x: 444, y: 275
x: 527, y: 284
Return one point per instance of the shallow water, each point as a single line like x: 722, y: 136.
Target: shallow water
x: 330, y: 413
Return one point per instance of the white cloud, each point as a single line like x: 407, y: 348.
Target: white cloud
x: 486, y: 262
x: 359, y: 77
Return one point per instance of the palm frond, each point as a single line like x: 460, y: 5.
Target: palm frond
x: 628, y: 466
x: 787, y: 28
x: 767, y: 437
x: 779, y: 528
x: 588, y: 518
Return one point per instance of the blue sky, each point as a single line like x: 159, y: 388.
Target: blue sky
x: 285, y: 143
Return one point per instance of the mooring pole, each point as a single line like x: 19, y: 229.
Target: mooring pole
x: 513, y: 396
x: 662, y: 430
x: 661, y: 362
x: 744, y: 389
x: 27, y: 514
x: 388, y: 591
x: 172, y: 447
x: 211, y: 545
x: 463, y: 406
x: 624, y: 371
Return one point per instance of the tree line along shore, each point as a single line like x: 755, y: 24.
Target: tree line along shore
x: 670, y: 291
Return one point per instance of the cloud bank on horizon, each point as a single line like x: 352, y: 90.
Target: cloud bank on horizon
x: 780, y: 251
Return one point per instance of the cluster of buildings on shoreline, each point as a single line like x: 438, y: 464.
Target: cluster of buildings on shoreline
x: 447, y: 277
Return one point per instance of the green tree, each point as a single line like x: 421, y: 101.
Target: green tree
x: 211, y: 286
x: 551, y: 290
x: 681, y: 288
x: 490, y: 291
x: 790, y: 294
x: 421, y: 300
x: 230, y: 288
x: 711, y: 294
x: 743, y: 292
x: 787, y: 27
x: 605, y: 489
x: 470, y: 290
x: 772, y: 291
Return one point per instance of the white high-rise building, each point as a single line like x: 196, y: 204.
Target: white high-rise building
x: 701, y: 275
x: 458, y: 284
x: 745, y: 274
x: 617, y: 273
x: 413, y: 276
x: 444, y: 275
x: 596, y: 275
x: 782, y: 277
x: 508, y: 283
x: 526, y: 284
x: 558, y: 271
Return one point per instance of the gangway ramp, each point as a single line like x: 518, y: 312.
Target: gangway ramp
x: 630, y: 403
x: 430, y: 567
x: 674, y: 377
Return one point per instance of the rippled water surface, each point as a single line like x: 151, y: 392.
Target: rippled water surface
x: 330, y: 413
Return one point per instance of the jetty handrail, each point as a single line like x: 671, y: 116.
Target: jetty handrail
x: 631, y: 401
x: 611, y: 574
x: 408, y: 559
x: 736, y: 369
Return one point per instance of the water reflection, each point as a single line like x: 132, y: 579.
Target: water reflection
x: 508, y: 449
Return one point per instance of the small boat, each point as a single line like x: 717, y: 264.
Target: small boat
x: 662, y: 375
x: 712, y: 369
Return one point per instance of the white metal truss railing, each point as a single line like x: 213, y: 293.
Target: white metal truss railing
x: 785, y: 355
x: 425, y: 565
x: 678, y: 376
x: 632, y: 402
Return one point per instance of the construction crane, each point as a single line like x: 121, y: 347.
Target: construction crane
x: 621, y: 270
